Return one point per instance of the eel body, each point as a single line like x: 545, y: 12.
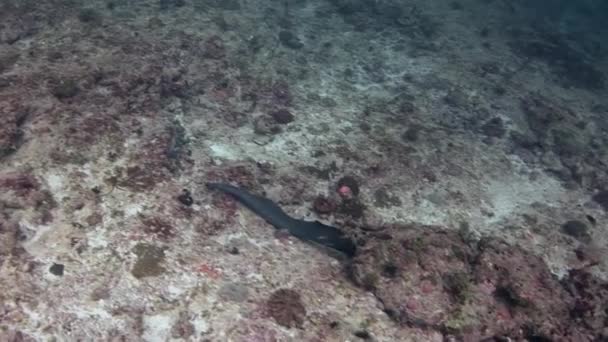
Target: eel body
x: 314, y: 231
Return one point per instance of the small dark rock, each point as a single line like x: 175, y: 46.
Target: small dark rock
x: 282, y: 116
x: 290, y: 40
x: 390, y: 270
x: 494, y: 128
x: 510, y: 295
x: 576, y: 229
x: 149, y: 260
x: 66, y: 89
x: 286, y: 307
x: 363, y: 334
x: 56, y: 269
x: 185, y: 198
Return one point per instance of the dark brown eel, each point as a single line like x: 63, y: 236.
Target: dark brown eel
x: 314, y: 231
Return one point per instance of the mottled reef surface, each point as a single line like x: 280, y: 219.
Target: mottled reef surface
x: 462, y: 144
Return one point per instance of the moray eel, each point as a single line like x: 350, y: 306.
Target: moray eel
x: 312, y: 231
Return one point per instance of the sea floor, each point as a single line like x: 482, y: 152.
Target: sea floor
x: 462, y: 145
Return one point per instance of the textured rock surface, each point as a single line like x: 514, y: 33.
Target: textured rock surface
x: 488, y: 141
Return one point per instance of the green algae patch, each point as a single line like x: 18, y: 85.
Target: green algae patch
x: 149, y: 260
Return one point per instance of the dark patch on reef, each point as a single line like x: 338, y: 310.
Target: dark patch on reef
x: 56, y: 269
x: 577, y: 229
x: 286, y: 308
x: 149, y: 261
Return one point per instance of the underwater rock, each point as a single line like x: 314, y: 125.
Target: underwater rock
x: 65, y: 89
x: 577, y: 230
x: 56, y: 269
x: 149, y: 260
x: 185, y: 198
x: 286, y: 308
x: 290, y: 40
x: 494, y: 127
